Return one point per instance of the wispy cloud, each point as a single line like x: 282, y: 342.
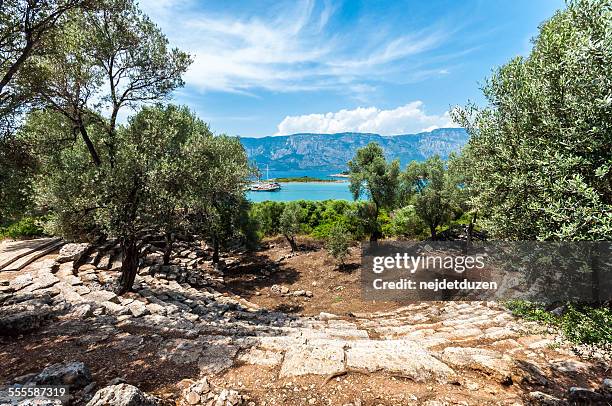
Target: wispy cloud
x: 410, y: 118
x: 293, y: 49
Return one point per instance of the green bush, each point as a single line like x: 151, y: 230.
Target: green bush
x: 318, y: 217
x: 580, y: 324
x: 338, y: 242
x: 26, y: 227
x: 406, y: 223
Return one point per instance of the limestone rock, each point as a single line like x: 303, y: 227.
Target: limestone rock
x: 102, y: 296
x: 137, y: 308
x: 576, y: 394
x: 311, y: 359
x: 74, y: 374
x: 397, y: 356
x: 72, y: 252
x: 256, y: 356
x: 24, y: 317
x: 544, y: 399
x: 122, y: 395
x: 479, y: 359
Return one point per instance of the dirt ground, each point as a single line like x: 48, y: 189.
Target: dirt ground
x: 134, y: 355
x: 335, y: 289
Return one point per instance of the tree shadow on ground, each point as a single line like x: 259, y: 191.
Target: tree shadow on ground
x: 255, y: 272
x: 348, y: 268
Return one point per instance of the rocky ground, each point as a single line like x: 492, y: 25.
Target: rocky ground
x: 268, y: 329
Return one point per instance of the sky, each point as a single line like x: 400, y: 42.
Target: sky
x: 265, y: 68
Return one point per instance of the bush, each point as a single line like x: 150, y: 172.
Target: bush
x: 580, y: 324
x: 406, y: 223
x: 26, y: 227
x: 338, y: 242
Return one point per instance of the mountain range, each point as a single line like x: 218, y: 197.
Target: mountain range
x: 331, y: 152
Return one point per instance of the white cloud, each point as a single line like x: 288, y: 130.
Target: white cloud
x: 286, y: 49
x: 407, y: 119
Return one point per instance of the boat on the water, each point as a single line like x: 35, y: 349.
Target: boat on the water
x: 267, y: 186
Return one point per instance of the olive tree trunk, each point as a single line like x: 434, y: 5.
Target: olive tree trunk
x: 129, y: 265
x: 292, y: 243
x: 168, y: 248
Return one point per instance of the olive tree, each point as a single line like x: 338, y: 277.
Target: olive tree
x: 538, y: 157
x: 104, y: 59
x: 218, y: 174
x: 290, y: 223
x: 425, y: 185
x: 338, y: 242
x: 145, y: 189
x: 371, y: 175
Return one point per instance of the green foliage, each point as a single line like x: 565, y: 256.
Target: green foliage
x: 405, y: 222
x: 338, y: 242
x: 319, y: 217
x: 17, y: 166
x: 538, y: 160
x: 370, y: 174
x: 580, y: 325
x: 290, y: 222
x: 428, y: 187
x: 169, y: 173
x: 25, y: 227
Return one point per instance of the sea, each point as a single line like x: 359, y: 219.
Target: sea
x: 304, y: 190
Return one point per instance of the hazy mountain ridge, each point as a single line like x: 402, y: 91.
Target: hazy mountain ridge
x: 333, y: 151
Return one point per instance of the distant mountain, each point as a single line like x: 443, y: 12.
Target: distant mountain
x: 331, y: 152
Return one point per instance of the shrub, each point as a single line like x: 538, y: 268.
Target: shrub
x: 338, y: 242
x: 580, y: 324
x: 405, y: 222
x: 26, y: 227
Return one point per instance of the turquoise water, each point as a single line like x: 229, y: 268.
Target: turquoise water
x: 304, y: 191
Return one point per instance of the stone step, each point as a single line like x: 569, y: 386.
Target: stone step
x: 11, y: 252
x: 22, y: 261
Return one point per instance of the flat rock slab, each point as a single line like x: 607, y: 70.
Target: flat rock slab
x: 102, y: 296
x: 315, y: 360
x: 11, y: 251
x: 397, y: 356
x: 479, y: 359
x: 216, y: 356
x: 256, y: 356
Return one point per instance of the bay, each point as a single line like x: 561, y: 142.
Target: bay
x: 305, y: 191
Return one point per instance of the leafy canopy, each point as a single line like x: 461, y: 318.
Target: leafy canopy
x: 538, y: 162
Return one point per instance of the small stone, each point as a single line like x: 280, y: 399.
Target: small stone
x: 102, y: 296
x: 544, y: 399
x: 606, y: 385
x: 472, y: 386
x: 122, y: 395
x: 583, y: 394
x: 327, y: 316
x: 83, y: 311
x: 137, y: 308
x: 192, y: 398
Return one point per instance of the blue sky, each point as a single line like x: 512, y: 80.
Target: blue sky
x: 274, y: 67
